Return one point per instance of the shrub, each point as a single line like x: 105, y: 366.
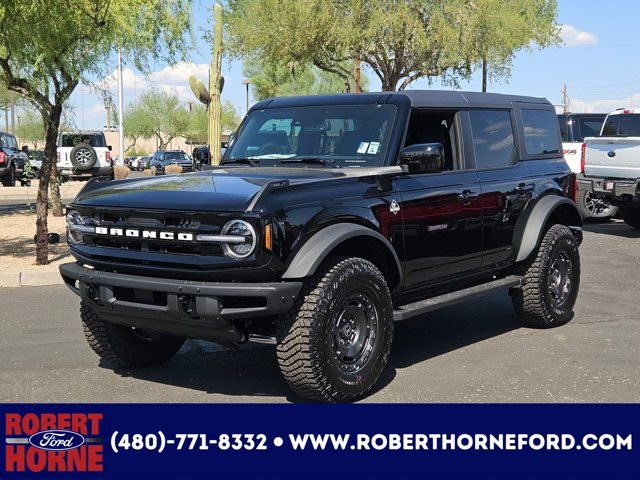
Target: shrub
x: 147, y: 172
x: 121, y: 172
x: 170, y: 169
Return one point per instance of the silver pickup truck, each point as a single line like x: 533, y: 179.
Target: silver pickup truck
x: 611, y: 164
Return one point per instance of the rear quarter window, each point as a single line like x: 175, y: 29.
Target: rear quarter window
x: 541, y: 133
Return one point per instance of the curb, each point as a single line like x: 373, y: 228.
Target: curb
x: 31, y: 278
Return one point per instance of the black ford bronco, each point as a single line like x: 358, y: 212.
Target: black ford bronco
x: 330, y: 218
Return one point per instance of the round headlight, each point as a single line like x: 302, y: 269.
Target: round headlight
x: 246, y: 237
x: 77, y: 225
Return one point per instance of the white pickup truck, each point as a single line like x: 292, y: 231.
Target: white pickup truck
x: 84, y: 153
x: 574, y: 127
x: 611, y: 164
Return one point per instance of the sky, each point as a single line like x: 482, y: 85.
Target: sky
x: 596, y: 63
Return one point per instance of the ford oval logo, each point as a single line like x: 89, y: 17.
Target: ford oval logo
x: 56, y: 440
x: 611, y: 154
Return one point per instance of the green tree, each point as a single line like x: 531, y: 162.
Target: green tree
x: 30, y: 130
x: 196, y: 130
x: 137, y: 124
x: 401, y: 41
x: 498, y: 29
x: 48, y: 46
x: 159, y: 115
x: 271, y: 80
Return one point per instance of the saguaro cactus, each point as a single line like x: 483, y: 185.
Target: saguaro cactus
x: 211, y: 97
x: 215, y: 80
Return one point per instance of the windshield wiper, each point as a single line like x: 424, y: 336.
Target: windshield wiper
x: 247, y: 161
x: 320, y: 161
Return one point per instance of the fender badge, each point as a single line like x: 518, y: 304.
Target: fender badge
x: 394, y: 207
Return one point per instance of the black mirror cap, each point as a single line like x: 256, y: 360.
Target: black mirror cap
x: 423, y: 158
x: 25, y: 149
x: 109, y: 147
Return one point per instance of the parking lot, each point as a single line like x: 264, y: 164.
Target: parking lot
x: 473, y: 352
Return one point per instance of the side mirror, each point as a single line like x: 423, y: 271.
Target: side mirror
x: 423, y: 158
x: 110, y: 147
x: 25, y: 149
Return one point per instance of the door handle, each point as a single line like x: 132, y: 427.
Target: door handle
x: 467, y: 196
x: 524, y: 188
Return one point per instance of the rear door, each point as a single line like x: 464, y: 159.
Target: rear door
x: 506, y: 188
x: 442, y: 212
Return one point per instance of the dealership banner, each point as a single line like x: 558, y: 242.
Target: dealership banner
x: 320, y: 441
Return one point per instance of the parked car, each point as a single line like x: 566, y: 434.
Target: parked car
x: 330, y: 218
x: 35, y: 160
x: 162, y: 158
x: 611, y: 164
x: 12, y: 160
x: 84, y: 153
x: 574, y: 127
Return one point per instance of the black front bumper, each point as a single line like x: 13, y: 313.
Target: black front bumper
x: 191, y: 309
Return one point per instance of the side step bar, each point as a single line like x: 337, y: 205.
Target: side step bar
x: 418, y: 308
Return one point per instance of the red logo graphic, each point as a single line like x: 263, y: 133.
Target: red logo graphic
x: 53, y: 442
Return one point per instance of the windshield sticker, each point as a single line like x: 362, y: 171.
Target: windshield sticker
x: 373, y: 148
x: 363, y: 147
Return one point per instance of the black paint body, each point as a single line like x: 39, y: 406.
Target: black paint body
x: 452, y: 229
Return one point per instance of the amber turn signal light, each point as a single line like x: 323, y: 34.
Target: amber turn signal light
x: 267, y: 236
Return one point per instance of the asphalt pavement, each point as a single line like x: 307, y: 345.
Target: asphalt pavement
x: 472, y: 352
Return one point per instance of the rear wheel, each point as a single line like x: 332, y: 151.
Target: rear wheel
x: 9, y: 180
x: 552, y: 280
x: 631, y: 216
x: 124, y: 346
x: 595, y: 208
x: 335, y: 344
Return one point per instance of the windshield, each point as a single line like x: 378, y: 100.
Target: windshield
x: 175, y: 157
x: 340, y: 136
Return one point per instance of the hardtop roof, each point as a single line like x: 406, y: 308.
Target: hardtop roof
x: 417, y: 98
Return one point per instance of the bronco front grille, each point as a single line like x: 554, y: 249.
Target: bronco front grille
x: 186, y: 248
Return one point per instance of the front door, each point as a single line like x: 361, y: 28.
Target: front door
x: 442, y: 212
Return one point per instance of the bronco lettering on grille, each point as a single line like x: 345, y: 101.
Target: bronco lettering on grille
x: 150, y: 234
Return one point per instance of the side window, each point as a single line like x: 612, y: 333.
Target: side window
x: 13, y: 143
x: 3, y: 142
x: 434, y: 127
x: 540, y: 132
x: 564, y: 127
x: 610, y: 127
x: 589, y: 127
x: 493, y: 141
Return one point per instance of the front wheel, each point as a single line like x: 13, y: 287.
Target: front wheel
x: 124, y: 346
x: 335, y: 344
x: 552, y: 280
x: 631, y: 217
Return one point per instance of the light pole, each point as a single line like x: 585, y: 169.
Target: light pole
x: 246, y: 83
x: 120, y: 108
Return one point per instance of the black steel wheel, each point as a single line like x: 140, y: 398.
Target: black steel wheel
x: 552, y: 281
x: 334, y: 345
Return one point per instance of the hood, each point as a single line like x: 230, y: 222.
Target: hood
x: 222, y: 189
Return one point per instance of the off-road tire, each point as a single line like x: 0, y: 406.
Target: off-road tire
x: 603, y: 210
x: 631, y: 217
x: 83, y: 157
x: 9, y: 180
x: 534, y: 302
x: 307, y: 352
x: 122, y: 347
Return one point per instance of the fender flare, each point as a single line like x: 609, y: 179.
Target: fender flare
x: 315, y: 250
x: 528, y: 232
